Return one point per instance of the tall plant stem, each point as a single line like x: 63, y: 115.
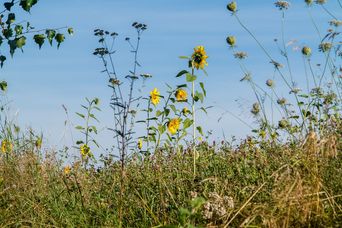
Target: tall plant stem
x: 193, y: 124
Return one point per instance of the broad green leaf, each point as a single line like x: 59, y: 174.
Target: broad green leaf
x: 8, y: 5
x: 18, y: 29
x: 3, y: 86
x: 59, y: 38
x: 190, y: 77
x: 187, y: 123
x: 39, y: 39
x: 50, y: 34
x: 182, y: 73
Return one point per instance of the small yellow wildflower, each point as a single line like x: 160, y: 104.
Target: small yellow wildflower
x: 6, y: 146
x: 199, y: 57
x: 173, y: 125
x: 140, y: 144
x: 154, y: 95
x: 67, y: 170
x: 181, y: 95
x: 85, y: 150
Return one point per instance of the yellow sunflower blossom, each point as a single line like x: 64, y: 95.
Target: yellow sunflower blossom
x: 181, y: 95
x: 140, y: 144
x: 154, y: 95
x: 173, y: 125
x: 6, y: 146
x: 199, y: 57
x: 85, y: 150
x: 67, y: 170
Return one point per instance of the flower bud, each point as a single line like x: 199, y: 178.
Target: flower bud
x: 232, y: 7
x: 231, y: 40
x: 306, y: 51
x: 270, y: 82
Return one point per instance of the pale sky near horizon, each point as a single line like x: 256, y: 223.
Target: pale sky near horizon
x: 41, y: 81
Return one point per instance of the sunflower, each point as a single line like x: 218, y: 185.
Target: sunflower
x: 154, y: 95
x: 199, y: 57
x: 173, y: 125
x: 85, y: 150
x: 6, y: 146
x: 140, y: 144
x: 181, y: 95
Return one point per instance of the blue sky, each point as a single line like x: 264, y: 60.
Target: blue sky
x: 41, y: 81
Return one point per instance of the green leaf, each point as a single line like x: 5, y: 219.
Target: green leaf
x: 10, y: 18
x: 2, y: 60
x: 181, y: 73
x: 59, y: 38
x: 20, y: 42
x: 71, y: 31
x: 187, y: 123
x: 202, y: 87
x: 27, y: 4
x: 18, y: 29
x: 3, y: 86
x: 190, y: 77
x: 198, y: 96
x: 8, y: 5
x: 13, y: 46
x: 7, y: 33
x: 50, y: 34
x: 161, y: 128
x: 39, y: 39
x: 173, y: 108
x: 199, y: 129
x: 184, y: 57
x: 79, y: 128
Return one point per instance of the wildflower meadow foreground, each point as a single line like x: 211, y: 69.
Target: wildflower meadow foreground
x: 163, y: 169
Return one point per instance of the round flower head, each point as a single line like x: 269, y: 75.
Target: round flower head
x: 306, y: 51
x: 85, y: 150
x: 231, y: 40
x: 6, y: 146
x: 232, y: 7
x: 270, y: 83
x: 173, y: 125
x: 67, y: 170
x: 154, y: 95
x: 199, y: 57
x: 140, y: 144
x: 181, y: 95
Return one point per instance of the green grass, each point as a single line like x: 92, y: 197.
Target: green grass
x: 252, y: 184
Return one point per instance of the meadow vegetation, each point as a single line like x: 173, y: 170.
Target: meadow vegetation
x: 286, y: 173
